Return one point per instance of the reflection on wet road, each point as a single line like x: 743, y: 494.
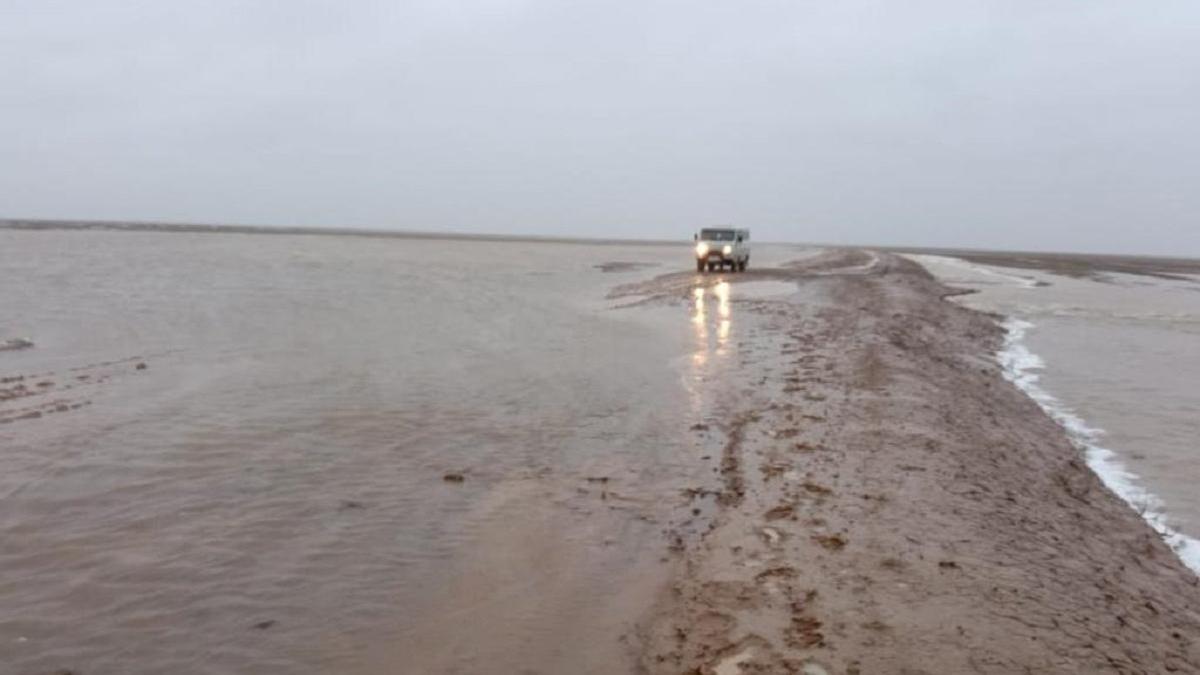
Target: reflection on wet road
x: 711, y: 319
x: 712, y: 308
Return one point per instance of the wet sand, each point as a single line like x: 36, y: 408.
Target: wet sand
x: 888, y: 503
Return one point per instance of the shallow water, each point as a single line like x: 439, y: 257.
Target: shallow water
x: 266, y: 494
x: 1118, y: 355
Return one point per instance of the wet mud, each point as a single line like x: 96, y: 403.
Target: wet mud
x: 885, y: 502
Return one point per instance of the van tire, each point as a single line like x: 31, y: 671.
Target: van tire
x: 700, y: 266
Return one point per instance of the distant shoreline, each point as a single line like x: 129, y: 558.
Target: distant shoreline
x: 37, y: 225
x: 1068, y: 264
x: 1077, y: 265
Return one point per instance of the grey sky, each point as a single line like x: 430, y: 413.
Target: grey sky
x: 1011, y: 124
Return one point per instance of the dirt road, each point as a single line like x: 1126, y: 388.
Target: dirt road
x: 888, y: 503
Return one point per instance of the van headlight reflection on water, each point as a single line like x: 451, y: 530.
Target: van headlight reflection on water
x: 709, y: 314
x: 721, y: 290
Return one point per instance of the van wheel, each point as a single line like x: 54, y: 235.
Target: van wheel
x: 711, y: 267
x: 743, y: 265
x: 700, y: 266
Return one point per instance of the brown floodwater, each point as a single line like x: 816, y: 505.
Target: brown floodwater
x: 241, y: 453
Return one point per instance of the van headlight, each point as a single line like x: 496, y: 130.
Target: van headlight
x: 701, y: 250
x: 727, y: 250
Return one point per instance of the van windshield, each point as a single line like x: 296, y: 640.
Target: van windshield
x: 716, y: 235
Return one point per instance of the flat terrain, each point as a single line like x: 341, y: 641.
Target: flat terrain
x: 242, y: 454
x: 889, y: 503
x: 1068, y: 264
x: 1080, y: 265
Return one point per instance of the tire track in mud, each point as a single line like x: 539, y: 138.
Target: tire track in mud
x: 732, y: 476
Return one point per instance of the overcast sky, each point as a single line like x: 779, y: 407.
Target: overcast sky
x: 1007, y: 124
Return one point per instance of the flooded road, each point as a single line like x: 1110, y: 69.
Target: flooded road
x: 315, y: 454
x: 294, y: 454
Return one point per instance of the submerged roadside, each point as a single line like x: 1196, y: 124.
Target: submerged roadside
x: 1100, y: 353
x: 888, y: 502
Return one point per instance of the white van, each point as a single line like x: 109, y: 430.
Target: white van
x: 718, y: 247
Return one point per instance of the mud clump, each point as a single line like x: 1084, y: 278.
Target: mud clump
x: 776, y: 572
x: 698, y: 493
x: 780, y: 512
x: 833, y: 542
x: 805, y: 633
x: 773, y: 470
x: 816, y: 488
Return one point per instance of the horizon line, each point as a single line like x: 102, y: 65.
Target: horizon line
x: 41, y: 224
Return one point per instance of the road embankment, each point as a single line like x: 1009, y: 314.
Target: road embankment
x: 889, y: 503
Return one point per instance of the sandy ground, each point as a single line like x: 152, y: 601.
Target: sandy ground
x: 888, y: 503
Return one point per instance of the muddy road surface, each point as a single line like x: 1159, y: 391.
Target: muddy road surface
x: 886, y: 502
